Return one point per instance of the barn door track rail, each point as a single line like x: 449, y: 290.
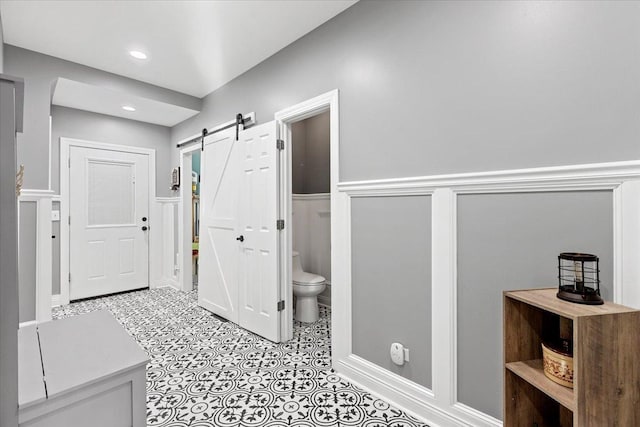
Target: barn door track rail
x: 245, y: 121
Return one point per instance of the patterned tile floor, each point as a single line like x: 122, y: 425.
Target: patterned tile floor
x: 204, y: 372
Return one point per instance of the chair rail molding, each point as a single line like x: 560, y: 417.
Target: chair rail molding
x: 441, y: 403
x: 44, y: 250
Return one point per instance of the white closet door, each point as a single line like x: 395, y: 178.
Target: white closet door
x: 219, y: 251
x: 259, y: 290
x: 109, y: 205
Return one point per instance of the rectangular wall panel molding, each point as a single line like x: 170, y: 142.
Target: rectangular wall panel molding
x: 391, y: 282
x: 36, y: 267
x: 164, y: 255
x: 543, y: 206
x: 511, y: 241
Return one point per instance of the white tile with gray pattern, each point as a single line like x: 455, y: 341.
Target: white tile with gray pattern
x: 205, y: 372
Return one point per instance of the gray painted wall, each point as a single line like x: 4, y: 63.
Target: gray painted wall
x: 450, y: 87
x: 1, y: 47
x: 26, y: 261
x: 458, y: 86
x: 298, y: 156
x: 311, y: 166
x: 391, y: 273
x: 511, y: 241
x: 39, y: 72
x: 72, y: 123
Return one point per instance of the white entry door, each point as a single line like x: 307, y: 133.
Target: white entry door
x: 108, y: 215
x: 238, y: 273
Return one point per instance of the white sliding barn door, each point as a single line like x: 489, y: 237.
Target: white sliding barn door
x: 238, y: 276
x: 108, y: 208
x: 259, y: 293
x: 218, y: 249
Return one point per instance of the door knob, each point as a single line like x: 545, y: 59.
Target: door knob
x: 241, y: 238
x: 145, y: 228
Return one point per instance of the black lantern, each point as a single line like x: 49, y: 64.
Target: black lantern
x: 579, y: 278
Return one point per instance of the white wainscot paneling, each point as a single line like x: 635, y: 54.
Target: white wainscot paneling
x: 44, y: 250
x: 311, y: 216
x: 163, y: 245
x: 440, y: 406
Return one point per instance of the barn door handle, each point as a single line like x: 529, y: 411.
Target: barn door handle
x: 241, y: 238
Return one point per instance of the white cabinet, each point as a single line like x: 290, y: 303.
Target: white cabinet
x: 94, y: 374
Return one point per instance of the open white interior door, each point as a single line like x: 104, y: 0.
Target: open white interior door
x: 220, y: 183
x: 259, y: 285
x: 239, y: 266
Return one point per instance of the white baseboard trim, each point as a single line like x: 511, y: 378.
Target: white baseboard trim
x: 56, y: 300
x: 29, y: 323
x: 410, y: 397
x: 322, y: 300
x: 166, y: 283
x: 400, y: 392
x: 478, y: 415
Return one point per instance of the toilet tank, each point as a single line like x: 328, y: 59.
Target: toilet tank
x: 296, y: 265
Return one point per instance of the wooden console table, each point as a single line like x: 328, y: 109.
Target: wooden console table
x: 606, y: 357
x: 81, y: 371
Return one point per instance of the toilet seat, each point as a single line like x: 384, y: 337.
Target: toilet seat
x: 304, y: 278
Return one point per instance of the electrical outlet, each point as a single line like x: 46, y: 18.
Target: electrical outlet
x: 397, y: 353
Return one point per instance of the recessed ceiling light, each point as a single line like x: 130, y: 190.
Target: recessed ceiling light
x: 128, y: 108
x: 137, y: 54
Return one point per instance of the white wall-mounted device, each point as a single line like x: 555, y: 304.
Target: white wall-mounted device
x: 175, y: 178
x: 399, y: 354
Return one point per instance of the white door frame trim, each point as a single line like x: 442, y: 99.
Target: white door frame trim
x: 339, y: 260
x: 185, y: 273
x: 65, y: 151
x: 621, y: 178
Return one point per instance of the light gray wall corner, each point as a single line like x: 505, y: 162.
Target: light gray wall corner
x: 39, y: 72
x: 391, y: 281
x: 298, y: 156
x: 317, y: 163
x: 311, y: 165
x: 72, y: 123
x: 512, y: 241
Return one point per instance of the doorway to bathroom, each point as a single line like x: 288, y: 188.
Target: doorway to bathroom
x: 311, y: 216
x: 309, y: 179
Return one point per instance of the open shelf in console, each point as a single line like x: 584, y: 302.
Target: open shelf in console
x: 604, y: 387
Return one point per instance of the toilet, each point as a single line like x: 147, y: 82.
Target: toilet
x: 306, y: 288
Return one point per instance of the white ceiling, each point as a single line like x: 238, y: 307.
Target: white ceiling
x: 98, y: 99
x: 194, y: 47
